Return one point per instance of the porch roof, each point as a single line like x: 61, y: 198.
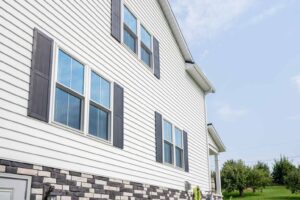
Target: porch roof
x: 216, y: 138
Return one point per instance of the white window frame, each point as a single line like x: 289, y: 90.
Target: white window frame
x: 149, y: 49
x: 174, y: 145
x: 138, y: 41
x: 88, y: 68
x: 137, y: 34
x: 181, y: 148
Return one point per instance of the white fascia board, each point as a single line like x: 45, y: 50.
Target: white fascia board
x: 191, y: 68
x: 167, y: 10
x: 215, y: 136
x: 195, y: 72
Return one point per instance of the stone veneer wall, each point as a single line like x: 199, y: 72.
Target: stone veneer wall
x: 71, y: 185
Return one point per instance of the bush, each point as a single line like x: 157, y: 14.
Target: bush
x: 293, y: 180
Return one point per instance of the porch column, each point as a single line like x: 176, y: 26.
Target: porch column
x: 218, y: 175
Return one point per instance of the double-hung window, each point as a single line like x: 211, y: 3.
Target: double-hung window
x: 69, y: 91
x: 146, y: 53
x: 70, y: 98
x: 178, y: 148
x: 173, y: 145
x: 130, y: 30
x: 168, y: 142
x: 99, y: 121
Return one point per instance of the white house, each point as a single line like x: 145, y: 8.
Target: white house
x: 100, y: 100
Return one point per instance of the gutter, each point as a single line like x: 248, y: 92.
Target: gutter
x: 199, y: 77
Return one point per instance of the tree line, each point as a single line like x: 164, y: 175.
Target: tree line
x: 237, y: 176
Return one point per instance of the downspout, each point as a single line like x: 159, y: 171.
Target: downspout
x: 207, y: 147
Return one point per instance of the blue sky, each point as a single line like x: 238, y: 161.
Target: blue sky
x: 250, y: 50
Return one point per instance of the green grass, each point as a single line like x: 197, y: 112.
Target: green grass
x: 271, y: 193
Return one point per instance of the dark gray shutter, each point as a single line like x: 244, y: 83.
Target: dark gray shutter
x: 116, y: 19
x: 40, y: 80
x: 118, y: 117
x: 186, y: 153
x: 158, y: 137
x: 156, y: 59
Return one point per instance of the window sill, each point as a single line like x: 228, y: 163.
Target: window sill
x: 80, y: 133
x: 173, y: 166
x: 137, y: 57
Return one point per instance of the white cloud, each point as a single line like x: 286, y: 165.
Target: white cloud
x: 204, y: 19
x: 296, y: 81
x: 267, y: 13
x: 227, y: 112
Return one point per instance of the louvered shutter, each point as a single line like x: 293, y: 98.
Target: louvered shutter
x: 158, y: 137
x: 118, y: 117
x: 40, y: 80
x: 186, y: 154
x: 156, y: 58
x: 116, y: 19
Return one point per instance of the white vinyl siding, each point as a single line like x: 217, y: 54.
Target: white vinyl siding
x: 83, y: 28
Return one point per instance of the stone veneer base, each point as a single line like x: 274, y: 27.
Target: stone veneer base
x: 70, y: 185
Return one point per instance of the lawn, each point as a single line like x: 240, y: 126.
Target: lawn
x: 272, y: 192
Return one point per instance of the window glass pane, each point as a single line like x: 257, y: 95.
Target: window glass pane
x: 64, y: 68
x: 168, y: 152
x: 129, y: 41
x: 100, y: 90
x: 74, y: 112
x: 70, y: 72
x: 77, y: 76
x: 67, y: 109
x: 178, y: 157
x: 61, y: 106
x: 98, y: 123
x: 95, y: 87
x: 145, y: 37
x: 168, y: 131
x: 130, y: 20
x: 178, y: 138
x: 145, y: 56
x: 105, y: 93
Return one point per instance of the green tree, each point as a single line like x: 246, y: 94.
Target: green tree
x: 266, y: 178
x: 281, y: 169
x: 293, y: 180
x: 234, y: 176
x: 257, y: 178
x: 262, y: 166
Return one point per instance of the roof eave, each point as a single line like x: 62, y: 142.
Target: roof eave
x: 217, y: 139
x: 167, y: 10
x: 199, y: 77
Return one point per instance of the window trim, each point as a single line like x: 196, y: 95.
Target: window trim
x: 135, y: 37
x: 126, y: 27
x: 173, y: 144
x: 88, y: 68
x: 181, y: 148
x: 138, y: 39
x: 99, y: 106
